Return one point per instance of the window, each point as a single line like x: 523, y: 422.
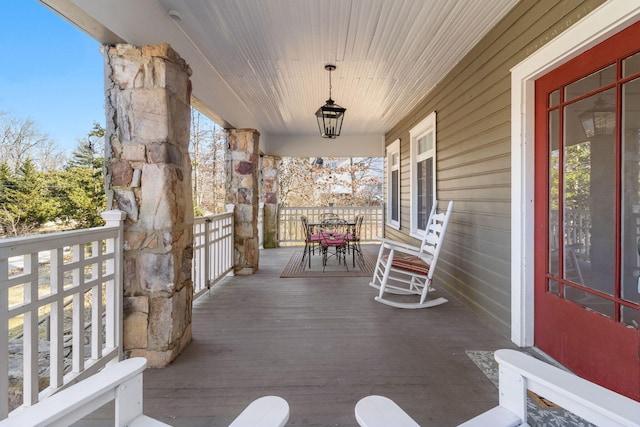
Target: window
x: 393, y: 184
x: 423, y: 173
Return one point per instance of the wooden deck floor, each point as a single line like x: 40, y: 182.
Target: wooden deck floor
x: 321, y: 344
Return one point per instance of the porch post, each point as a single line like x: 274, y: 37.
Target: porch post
x: 149, y: 177
x: 241, y: 169
x: 269, y: 195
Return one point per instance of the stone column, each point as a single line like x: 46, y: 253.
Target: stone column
x: 149, y: 177
x: 269, y: 195
x: 242, y: 190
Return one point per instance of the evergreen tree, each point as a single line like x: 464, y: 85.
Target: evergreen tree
x: 27, y: 202
x: 81, y: 184
x: 90, y: 152
x: 81, y: 195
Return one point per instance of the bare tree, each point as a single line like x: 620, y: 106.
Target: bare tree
x: 21, y: 140
x: 207, y: 157
x: 297, y: 181
x: 341, y: 181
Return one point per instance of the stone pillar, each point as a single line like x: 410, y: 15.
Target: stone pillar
x: 241, y: 170
x: 269, y: 195
x: 149, y: 177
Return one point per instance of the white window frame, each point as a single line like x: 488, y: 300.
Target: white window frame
x: 426, y: 126
x: 393, y: 149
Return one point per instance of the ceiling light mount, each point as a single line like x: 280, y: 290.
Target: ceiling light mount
x: 175, y: 15
x: 330, y: 115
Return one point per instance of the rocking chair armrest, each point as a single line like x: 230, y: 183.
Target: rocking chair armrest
x: 399, y: 246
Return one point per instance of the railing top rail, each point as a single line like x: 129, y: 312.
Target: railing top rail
x: 85, y: 234
x: 210, y: 217
x: 28, y: 244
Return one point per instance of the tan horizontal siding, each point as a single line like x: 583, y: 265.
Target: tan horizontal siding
x: 474, y: 154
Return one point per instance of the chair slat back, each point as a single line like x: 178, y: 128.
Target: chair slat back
x: 305, y: 227
x: 434, y: 235
x: 334, y: 226
x: 428, y: 235
x: 358, y: 227
x: 328, y: 215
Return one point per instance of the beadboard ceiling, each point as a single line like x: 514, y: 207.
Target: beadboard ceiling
x: 260, y: 63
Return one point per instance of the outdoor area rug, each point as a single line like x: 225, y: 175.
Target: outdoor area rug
x: 362, y: 269
x: 540, y: 411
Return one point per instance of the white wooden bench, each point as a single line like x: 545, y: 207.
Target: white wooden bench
x: 520, y: 372
x: 122, y: 383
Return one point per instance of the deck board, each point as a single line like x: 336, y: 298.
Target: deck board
x: 321, y: 344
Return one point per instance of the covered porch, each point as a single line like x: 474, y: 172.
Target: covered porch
x: 322, y: 344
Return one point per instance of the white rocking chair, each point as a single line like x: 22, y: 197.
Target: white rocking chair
x: 408, y: 270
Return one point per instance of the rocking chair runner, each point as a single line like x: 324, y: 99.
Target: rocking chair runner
x: 408, y: 270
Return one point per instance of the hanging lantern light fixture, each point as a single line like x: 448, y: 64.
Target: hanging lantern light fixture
x: 330, y: 115
x: 599, y: 120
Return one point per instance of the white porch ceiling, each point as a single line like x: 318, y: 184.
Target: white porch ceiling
x: 260, y: 64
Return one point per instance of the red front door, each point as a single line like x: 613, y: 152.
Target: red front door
x: 587, y: 215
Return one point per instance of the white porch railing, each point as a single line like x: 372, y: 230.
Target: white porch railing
x: 62, y: 291
x: 212, y: 250
x: 577, y: 230
x: 61, y: 302
x: 290, y: 227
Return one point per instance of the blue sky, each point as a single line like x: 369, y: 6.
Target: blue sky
x: 50, y: 72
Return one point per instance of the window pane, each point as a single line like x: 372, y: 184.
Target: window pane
x: 425, y: 143
x: 554, y: 176
x: 631, y: 65
x: 425, y: 192
x: 394, y: 159
x: 592, y: 302
x: 629, y: 316
x: 395, y: 205
x: 590, y: 83
x: 577, y: 220
x: 589, y: 198
x: 630, y: 190
x: 554, y: 98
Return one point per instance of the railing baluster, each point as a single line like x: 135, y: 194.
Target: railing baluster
x: 30, y: 330
x: 206, y: 256
x: 96, y: 321
x: 4, y: 336
x: 56, y: 320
